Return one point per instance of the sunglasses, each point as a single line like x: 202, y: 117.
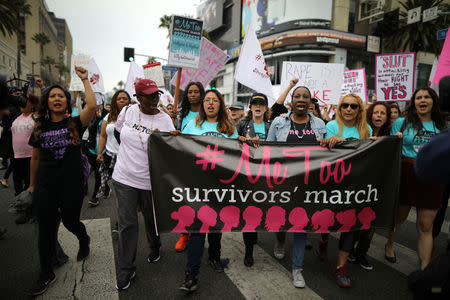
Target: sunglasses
x: 352, y: 106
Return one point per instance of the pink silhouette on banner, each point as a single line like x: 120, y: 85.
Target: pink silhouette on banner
x: 347, y: 219
x: 208, y: 216
x: 230, y: 216
x: 366, y: 216
x: 275, y: 218
x: 252, y: 216
x: 322, y: 220
x: 299, y: 219
x: 185, y: 216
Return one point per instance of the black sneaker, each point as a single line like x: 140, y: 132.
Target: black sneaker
x: 115, y: 228
x: 351, y: 257
x: 93, y: 202
x: 190, y: 283
x: 364, y: 263
x: 41, y: 285
x: 125, y: 283
x: 216, y: 264
x: 84, y: 250
x: 154, y: 255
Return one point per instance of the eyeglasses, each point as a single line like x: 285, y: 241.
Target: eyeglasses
x: 352, y: 106
x: 209, y: 100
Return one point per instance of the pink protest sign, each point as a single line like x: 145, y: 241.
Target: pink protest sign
x: 395, y: 76
x: 443, y: 68
x: 212, y: 59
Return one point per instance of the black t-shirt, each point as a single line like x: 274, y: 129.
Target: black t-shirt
x: 60, y: 160
x: 301, y: 133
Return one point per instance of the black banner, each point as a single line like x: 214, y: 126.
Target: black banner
x: 211, y: 184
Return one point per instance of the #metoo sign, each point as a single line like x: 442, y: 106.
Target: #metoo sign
x: 323, y: 80
x: 395, y: 76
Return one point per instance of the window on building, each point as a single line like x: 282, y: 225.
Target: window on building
x: 423, y: 75
x: 352, y: 16
x: 4, y: 60
x: 219, y: 82
x: 227, y: 15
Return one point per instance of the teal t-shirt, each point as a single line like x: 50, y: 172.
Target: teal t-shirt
x: 260, y: 130
x: 412, y: 140
x: 209, y: 129
x: 333, y: 129
x: 191, y: 115
x: 75, y: 112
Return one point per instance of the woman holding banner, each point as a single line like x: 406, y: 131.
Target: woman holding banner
x: 255, y: 126
x: 212, y: 120
x: 422, y: 121
x: 298, y: 126
x: 190, y: 106
x: 350, y: 123
x: 131, y: 177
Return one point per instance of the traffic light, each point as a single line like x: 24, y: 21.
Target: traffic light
x: 128, y: 54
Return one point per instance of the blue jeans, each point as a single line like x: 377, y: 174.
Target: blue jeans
x: 299, y: 247
x: 196, y: 244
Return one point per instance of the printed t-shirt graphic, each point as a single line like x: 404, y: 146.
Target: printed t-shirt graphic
x: 260, y: 130
x: 301, y: 132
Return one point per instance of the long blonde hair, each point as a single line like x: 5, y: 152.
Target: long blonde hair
x: 361, y: 121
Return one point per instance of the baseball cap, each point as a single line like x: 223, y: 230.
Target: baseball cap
x: 237, y: 105
x: 258, y: 97
x: 145, y: 86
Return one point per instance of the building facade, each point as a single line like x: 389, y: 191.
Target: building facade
x: 328, y: 31
x: 31, y: 61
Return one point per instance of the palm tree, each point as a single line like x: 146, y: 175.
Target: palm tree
x: 42, y: 39
x: 120, y: 86
x: 62, y: 69
x: 9, y: 12
x: 48, y: 60
x: 418, y: 36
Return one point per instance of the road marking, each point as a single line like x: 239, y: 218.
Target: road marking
x: 267, y: 279
x: 94, y: 278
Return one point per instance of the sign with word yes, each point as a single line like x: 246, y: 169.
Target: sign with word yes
x: 395, y: 76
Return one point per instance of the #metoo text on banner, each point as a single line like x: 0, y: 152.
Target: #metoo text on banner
x: 212, y: 59
x: 223, y: 185
x: 322, y: 79
x: 394, y: 76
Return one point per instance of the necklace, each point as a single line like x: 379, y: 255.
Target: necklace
x: 294, y: 129
x: 140, y: 130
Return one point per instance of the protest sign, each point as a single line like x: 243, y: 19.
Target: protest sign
x: 394, y: 76
x: 434, y: 86
x: 154, y: 72
x: 134, y: 72
x: 185, y: 42
x: 355, y: 83
x: 324, y: 80
x: 95, y: 77
x: 443, y: 68
x: 222, y: 185
x: 79, y: 60
x: 212, y: 59
x: 251, y: 69
x: 166, y: 98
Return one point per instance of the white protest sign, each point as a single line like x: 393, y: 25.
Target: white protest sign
x: 251, y: 69
x: 95, y: 77
x: 431, y: 84
x: 212, y: 59
x: 154, y: 72
x: 166, y: 98
x: 322, y: 79
x: 394, y: 76
x: 355, y: 83
x: 79, y: 60
x: 134, y: 72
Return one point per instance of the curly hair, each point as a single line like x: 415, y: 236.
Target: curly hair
x: 185, y: 104
x: 43, y: 115
x: 412, y: 118
x: 360, y: 122
x: 223, y: 122
x: 114, y: 112
x: 386, y: 127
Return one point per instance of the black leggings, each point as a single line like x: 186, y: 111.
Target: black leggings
x: 48, y: 200
x: 440, y: 216
x: 92, y: 158
x: 21, y: 174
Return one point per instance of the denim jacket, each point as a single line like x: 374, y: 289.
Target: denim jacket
x: 279, y: 130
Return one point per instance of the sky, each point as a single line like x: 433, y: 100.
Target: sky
x: 102, y: 28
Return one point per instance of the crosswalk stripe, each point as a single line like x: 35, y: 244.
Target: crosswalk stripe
x: 95, y: 277
x: 267, y: 279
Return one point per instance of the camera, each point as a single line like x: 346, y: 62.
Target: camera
x: 18, y: 92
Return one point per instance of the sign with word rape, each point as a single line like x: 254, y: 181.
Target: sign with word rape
x: 185, y: 42
x: 394, y: 76
x: 79, y: 60
x: 322, y: 79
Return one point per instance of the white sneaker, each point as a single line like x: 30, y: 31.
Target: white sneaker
x: 278, y: 250
x: 298, y: 281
